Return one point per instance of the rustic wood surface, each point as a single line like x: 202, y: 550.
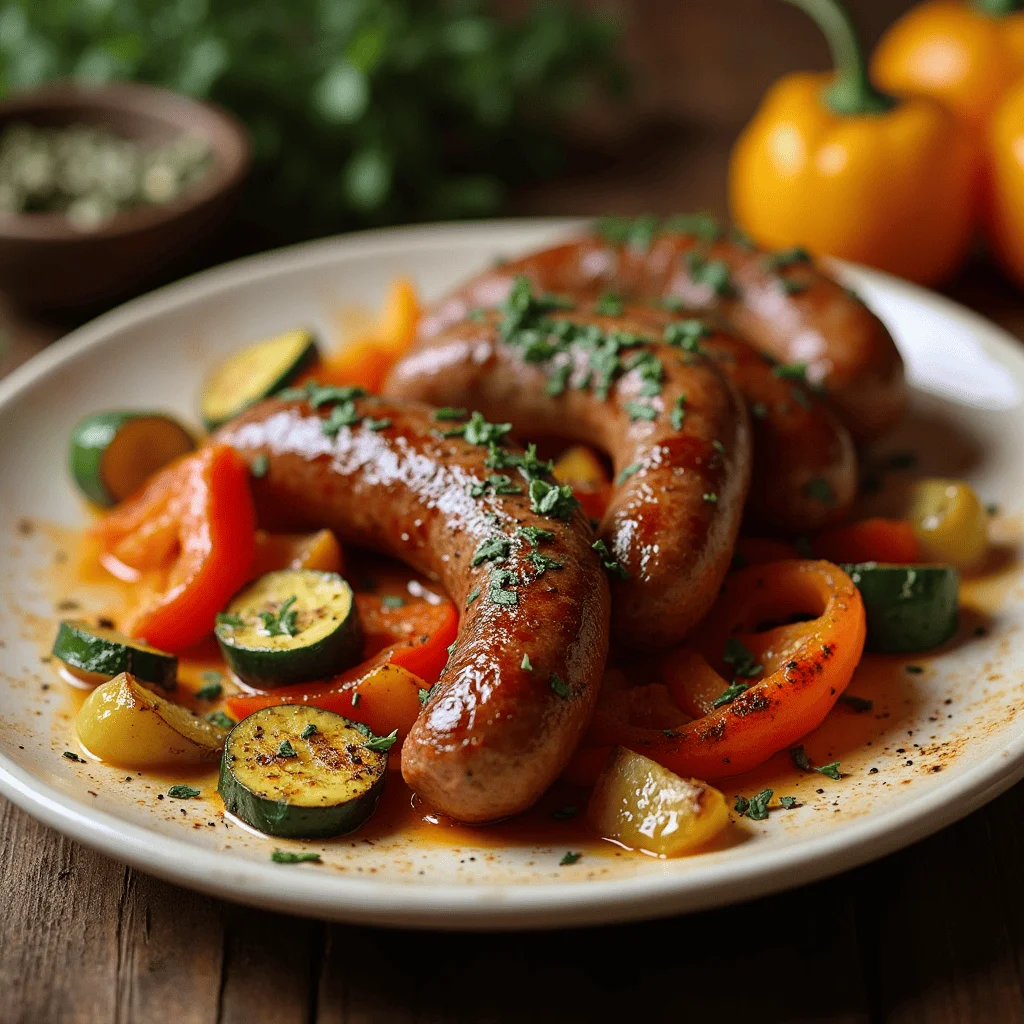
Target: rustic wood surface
x: 932, y: 935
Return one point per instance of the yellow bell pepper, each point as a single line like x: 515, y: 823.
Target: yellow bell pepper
x: 965, y: 53
x: 1005, y: 158
x: 832, y: 164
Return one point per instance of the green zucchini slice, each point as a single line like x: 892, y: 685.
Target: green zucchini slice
x: 300, y: 772
x: 254, y: 373
x: 291, y: 626
x: 112, y: 454
x: 909, y: 608
x: 96, y: 654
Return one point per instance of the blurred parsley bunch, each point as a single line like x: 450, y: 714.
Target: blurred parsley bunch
x: 361, y: 111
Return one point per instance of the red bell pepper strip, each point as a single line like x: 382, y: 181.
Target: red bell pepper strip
x: 189, y: 536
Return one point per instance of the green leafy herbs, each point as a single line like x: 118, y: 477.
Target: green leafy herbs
x: 526, y: 664
x: 678, y: 413
x: 283, y: 622
x: 477, y: 430
x: 492, y: 549
x: 756, y: 808
x: 710, y: 497
x: 533, y: 535
x: 231, y: 621
x: 376, y: 425
x: 627, y: 471
x: 212, y: 687
x: 496, y: 483
x: 650, y: 370
x: 820, y: 490
x: 426, y: 694
x: 287, y: 857
x: 569, y: 858
x: 730, y: 693
x: 640, y: 411
x: 541, y: 562
x: 713, y: 274
x: 702, y: 226
x: 609, y: 304
x: 308, y: 730
x: 560, y: 687
x: 501, y: 588
x: 472, y: 596
x: 382, y: 743
x: 740, y: 659
x: 392, y: 601
x: 611, y: 565
x: 636, y: 232
x: 448, y: 412
x: 556, y: 501
x: 318, y: 395
x: 686, y: 334
x: 791, y: 371
x: 787, y: 802
x: 219, y: 719
x: 260, y: 465
x: 343, y: 415
x: 799, y: 758
x: 285, y: 749
x: 558, y: 380
x: 183, y: 792
x: 72, y: 756
x: 784, y: 258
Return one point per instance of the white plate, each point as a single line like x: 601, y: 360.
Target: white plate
x: 959, y: 714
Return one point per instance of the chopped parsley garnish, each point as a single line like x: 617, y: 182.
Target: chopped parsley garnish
x: 499, y: 590
x: 309, y: 730
x: 686, y: 334
x: 448, y: 412
x: 286, y: 857
x: 542, y: 562
x: 787, y: 802
x: 259, y: 465
x: 741, y: 805
x: 678, y: 413
x: 858, y: 704
x: 757, y: 808
x: 739, y: 237
x: 318, y: 395
x: 831, y: 770
x: 219, y: 719
x: 497, y: 483
x: 569, y: 858
x: 392, y: 601
x: 710, y: 497
x: 371, y: 424
x: 714, y: 274
x: 611, y: 566
x: 641, y: 411
x: 286, y: 749
x: 609, y: 304
x: 741, y: 659
x: 182, y: 792
x: 211, y: 691
x: 472, y: 596
x: 799, y: 757
x: 493, y: 549
x: 382, y: 742
x: 730, y: 693
x: 554, y: 500
x: 530, y: 466
x: 283, y: 623
x: 477, y: 430
x: 627, y: 471
x: 233, y: 621
x: 533, y: 535
x: 343, y: 415
x: 426, y: 694
x: 560, y: 687
x: 558, y: 380
x: 526, y: 664
x: 786, y: 258
x: 820, y: 489
x: 72, y: 756
x: 791, y: 371
x: 701, y: 225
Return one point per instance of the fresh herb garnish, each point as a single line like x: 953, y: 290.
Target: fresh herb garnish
x: 757, y: 808
x: 569, y: 858
x: 286, y: 857
x: 376, y: 425
x: 382, y: 743
x: 741, y: 659
x: 542, y: 562
x: 558, y: 380
x: 448, y: 412
x: 497, y: 483
x: 609, y: 304
x: 526, y: 664
x: 259, y: 465
x: 309, y: 730
x: 714, y: 274
x: 283, y: 623
x: 627, y: 471
x: 472, y: 596
x: 678, y: 413
x: 640, y: 411
x: 786, y: 258
x: 477, y: 430
x: 791, y: 371
x: 533, y: 535
x: 285, y: 749
x: 787, y: 802
x: 232, y: 621
x: 212, y: 690
x: 183, y: 792
x: 560, y: 687
x: 730, y: 693
x: 741, y: 805
x: 703, y: 226
x: 343, y: 415
x: 554, y: 500
x: 831, y: 770
x: 611, y: 565
x: 72, y: 756
x: 710, y: 497
x: 499, y: 590
x: 799, y: 757
x: 392, y: 601
x: 493, y: 549
x: 686, y: 334
x: 219, y: 719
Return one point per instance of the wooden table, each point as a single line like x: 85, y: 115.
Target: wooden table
x: 932, y: 934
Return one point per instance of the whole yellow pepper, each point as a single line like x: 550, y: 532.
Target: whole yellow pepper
x: 834, y: 165
x: 966, y: 53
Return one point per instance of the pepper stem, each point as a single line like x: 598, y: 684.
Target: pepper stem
x: 851, y: 92
x: 997, y: 8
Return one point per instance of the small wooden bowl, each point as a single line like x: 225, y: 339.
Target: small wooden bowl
x: 48, y: 263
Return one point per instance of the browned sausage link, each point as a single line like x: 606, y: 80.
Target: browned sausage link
x: 675, y: 428
x: 520, y: 686
x: 780, y: 302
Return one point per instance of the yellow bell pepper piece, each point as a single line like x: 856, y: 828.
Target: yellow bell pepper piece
x: 832, y: 164
x: 1005, y: 155
x: 965, y: 54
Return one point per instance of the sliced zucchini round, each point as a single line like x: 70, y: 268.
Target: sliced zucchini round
x: 254, y: 373
x: 112, y: 454
x: 291, y: 626
x: 300, y: 772
x: 909, y: 608
x: 96, y: 654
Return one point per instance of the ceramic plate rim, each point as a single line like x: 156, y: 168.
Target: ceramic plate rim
x: 529, y: 905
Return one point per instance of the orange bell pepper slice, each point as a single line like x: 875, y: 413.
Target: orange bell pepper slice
x: 414, y: 638
x: 189, y: 536
x: 581, y: 469
x: 804, y: 667
x: 869, y: 540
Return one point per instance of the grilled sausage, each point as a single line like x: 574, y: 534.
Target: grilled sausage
x: 780, y: 302
x: 674, y: 426
x: 520, y: 685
